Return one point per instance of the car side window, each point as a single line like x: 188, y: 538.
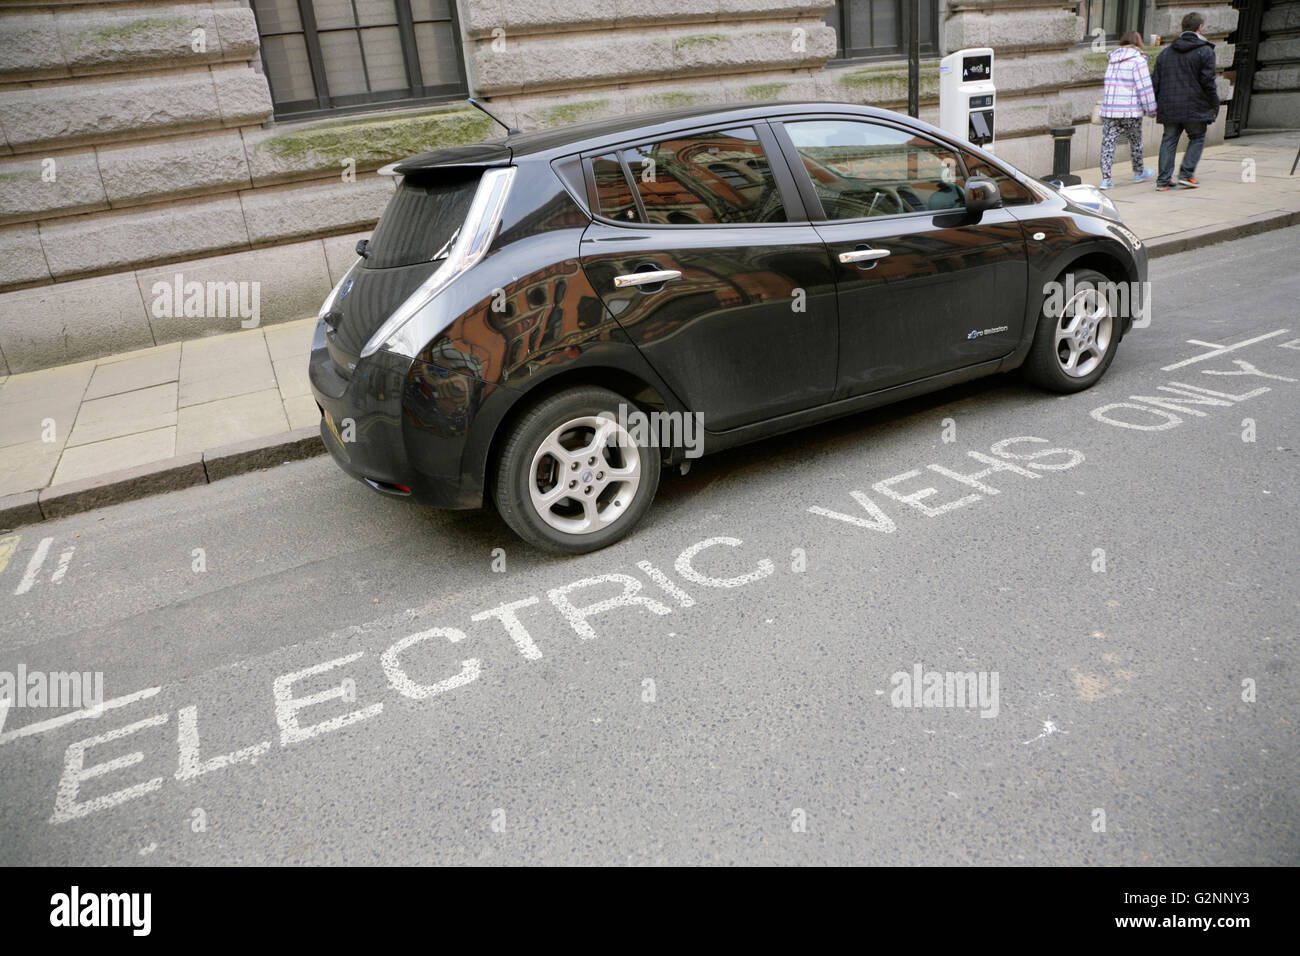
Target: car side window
x: 1010, y: 189
x: 715, y: 178
x: 861, y: 170
x: 612, y: 190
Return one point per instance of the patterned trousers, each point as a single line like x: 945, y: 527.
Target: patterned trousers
x: 1111, y: 129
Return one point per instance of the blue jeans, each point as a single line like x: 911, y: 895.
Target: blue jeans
x: 1169, y: 150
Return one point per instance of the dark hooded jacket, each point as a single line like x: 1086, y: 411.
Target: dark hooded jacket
x: 1183, y: 79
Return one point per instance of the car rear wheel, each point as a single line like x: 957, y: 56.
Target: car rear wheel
x: 1076, y: 339
x: 570, y: 479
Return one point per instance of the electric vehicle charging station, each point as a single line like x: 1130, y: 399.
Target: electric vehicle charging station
x: 967, y: 95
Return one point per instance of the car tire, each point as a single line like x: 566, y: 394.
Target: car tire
x: 1066, y: 357
x: 606, y: 487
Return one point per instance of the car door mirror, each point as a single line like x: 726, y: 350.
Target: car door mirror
x: 981, y: 195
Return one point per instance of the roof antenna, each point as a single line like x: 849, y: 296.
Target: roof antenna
x: 510, y: 130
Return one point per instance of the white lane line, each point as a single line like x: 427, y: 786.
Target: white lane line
x: 34, y: 566
x: 62, y: 569
x: 64, y: 719
x: 1222, y: 349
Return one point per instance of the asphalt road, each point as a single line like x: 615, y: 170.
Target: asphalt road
x: 1141, y: 714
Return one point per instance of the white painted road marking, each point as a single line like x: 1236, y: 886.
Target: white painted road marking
x: 34, y: 566
x: 1221, y: 349
x: 64, y: 719
x: 75, y: 773
x: 191, y: 765
x: 400, y: 682
x: 577, y: 616
x: 505, y: 613
x: 62, y: 569
x: 1163, y: 408
x: 287, y: 706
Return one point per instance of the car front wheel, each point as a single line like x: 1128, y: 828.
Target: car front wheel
x: 1077, y: 335
x: 570, y: 479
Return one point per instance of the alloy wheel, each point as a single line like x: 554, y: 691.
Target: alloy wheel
x: 585, y: 475
x: 1083, y: 333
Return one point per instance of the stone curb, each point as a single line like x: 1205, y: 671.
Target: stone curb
x: 183, y: 471
x: 57, y: 501
x: 1221, y: 232
x: 230, y: 460
x: 21, y: 508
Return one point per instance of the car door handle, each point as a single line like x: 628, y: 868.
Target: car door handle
x: 646, y: 278
x: 863, y: 255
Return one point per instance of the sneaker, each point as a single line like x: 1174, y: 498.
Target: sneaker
x: 1165, y: 188
x: 1106, y: 184
x: 1144, y: 176
x: 1189, y: 181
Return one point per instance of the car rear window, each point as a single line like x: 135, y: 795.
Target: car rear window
x: 714, y: 178
x: 423, y: 217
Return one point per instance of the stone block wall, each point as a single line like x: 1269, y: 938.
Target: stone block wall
x: 1275, y: 101
x: 560, y: 61
x: 135, y: 139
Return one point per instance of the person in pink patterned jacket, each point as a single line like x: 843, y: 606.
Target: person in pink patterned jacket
x: 1127, y: 97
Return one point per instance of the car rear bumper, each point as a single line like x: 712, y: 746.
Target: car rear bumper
x: 385, y: 426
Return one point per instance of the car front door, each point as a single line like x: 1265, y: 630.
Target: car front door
x: 922, y: 289
x: 693, y: 253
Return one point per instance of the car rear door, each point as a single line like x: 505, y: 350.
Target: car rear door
x: 922, y: 290
x: 739, y: 314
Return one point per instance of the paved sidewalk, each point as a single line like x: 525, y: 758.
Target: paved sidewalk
x: 78, y: 436
x: 1224, y: 207
x: 81, y: 436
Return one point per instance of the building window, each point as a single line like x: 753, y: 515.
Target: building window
x: 879, y: 28
x: 1115, y: 17
x: 327, y: 55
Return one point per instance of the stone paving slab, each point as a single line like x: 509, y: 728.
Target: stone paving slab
x: 229, y: 420
x: 113, y: 454
x: 158, y: 367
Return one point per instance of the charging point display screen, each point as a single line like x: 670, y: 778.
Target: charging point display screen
x: 975, y: 68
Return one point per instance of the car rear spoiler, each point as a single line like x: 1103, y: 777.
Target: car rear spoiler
x: 479, y: 154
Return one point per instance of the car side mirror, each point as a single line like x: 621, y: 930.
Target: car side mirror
x: 981, y: 195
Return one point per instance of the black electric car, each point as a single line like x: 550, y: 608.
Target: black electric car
x: 545, y: 321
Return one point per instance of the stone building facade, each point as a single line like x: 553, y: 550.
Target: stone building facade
x: 157, y: 143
